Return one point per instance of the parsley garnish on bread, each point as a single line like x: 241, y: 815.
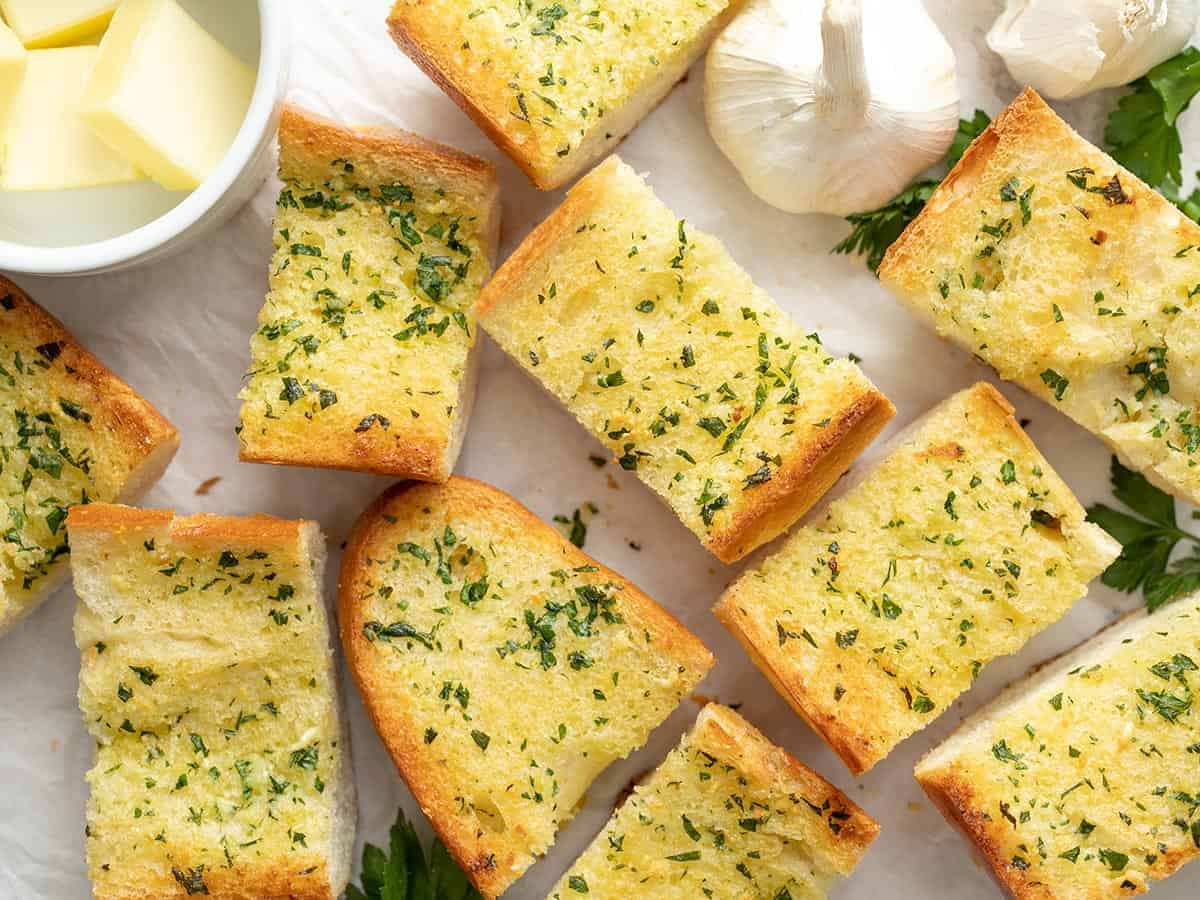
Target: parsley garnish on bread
x: 1080, y: 781
x: 726, y: 815
x: 207, y: 681
x: 71, y: 432
x: 365, y: 355
x: 503, y: 668
x: 557, y: 86
x: 958, y: 547
x: 1048, y: 260
x: 666, y: 351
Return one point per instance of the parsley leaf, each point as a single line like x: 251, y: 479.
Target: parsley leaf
x: 1147, y: 542
x: 1141, y: 132
x: 875, y: 231
x: 407, y: 874
x: 968, y: 130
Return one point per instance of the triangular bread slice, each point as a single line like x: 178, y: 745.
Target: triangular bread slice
x: 727, y: 815
x: 207, y: 679
x: 1080, y: 781
x: 73, y: 433
x: 503, y: 668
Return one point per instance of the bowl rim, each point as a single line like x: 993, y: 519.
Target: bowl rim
x: 79, y: 259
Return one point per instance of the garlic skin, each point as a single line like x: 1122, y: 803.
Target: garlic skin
x: 831, y: 106
x: 1069, y: 49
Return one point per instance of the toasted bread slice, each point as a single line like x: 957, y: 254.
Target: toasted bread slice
x: 1079, y: 782
x: 727, y: 815
x: 1072, y: 278
x: 208, y: 682
x: 556, y: 87
x: 365, y: 356
x: 960, y: 546
x: 503, y: 668
x: 663, y: 348
x: 72, y: 433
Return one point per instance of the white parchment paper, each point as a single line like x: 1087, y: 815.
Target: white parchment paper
x: 178, y: 331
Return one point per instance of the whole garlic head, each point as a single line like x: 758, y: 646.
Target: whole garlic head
x: 1068, y: 49
x: 831, y: 106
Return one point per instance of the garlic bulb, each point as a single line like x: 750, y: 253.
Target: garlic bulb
x: 1066, y: 49
x: 831, y: 106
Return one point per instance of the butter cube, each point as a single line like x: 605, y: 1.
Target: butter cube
x: 56, y: 23
x: 165, y: 94
x: 48, y: 146
x: 12, y: 71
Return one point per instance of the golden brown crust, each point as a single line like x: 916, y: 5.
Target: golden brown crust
x: 803, y: 480
x: 992, y: 414
x: 489, y: 866
x: 403, y: 25
x: 768, y: 764
x: 420, y: 32
x: 308, y: 142
x: 854, y: 749
x: 808, y: 473
x: 955, y: 799
x: 134, y: 425
x: 203, y: 530
x: 376, y: 452
x: 537, y: 245
x: 239, y: 883
x: 952, y: 797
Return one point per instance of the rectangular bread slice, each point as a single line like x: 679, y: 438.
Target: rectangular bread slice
x: 958, y: 547
x: 1059, y: 268
x: 557, y: 86
x: 70, y: 432
x: 365, y: 356
x: 208, y: 682
x: 726, y: 815
x: 503, y: 668
x: 1079, y: 783
x: 664, y: 349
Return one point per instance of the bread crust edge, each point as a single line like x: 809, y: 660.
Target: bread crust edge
x: 490, y: 871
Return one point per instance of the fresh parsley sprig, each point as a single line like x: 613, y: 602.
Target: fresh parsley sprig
x: 1147, y: 543
x: 875, y: 231
x: 1142, y: 134
x: 404, y: 873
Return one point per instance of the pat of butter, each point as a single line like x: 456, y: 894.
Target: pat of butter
x: 56, y: 23
x: 48, y: 147
x: 165, y: 94
x: 12, y: 71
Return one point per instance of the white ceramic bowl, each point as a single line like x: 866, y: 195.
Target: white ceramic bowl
x: 103, y: 229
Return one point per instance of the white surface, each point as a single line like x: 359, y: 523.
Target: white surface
x: 179, y: 332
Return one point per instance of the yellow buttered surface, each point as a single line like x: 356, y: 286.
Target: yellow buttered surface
x: 504, y: 668
x: 362, y: 356
x: 1071, y: 277
x: 557, y: 78
x: 1082, y: 781
x: 207, y: 683
x: 663, y: 347
x: 727, y: 816
x: 958, y: 548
